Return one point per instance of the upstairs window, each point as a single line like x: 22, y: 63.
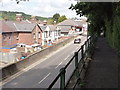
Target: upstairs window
x: 9, y: 36
x: 34, y: 35
x: 50, y: 33
x: 17, y: 37
x: 4, y: 37
x: 39, y: 35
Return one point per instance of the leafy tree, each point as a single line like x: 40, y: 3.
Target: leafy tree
x: 62, y: 18
x: 56, y: 17
x: 96, y: 13
x: 102, y: 16
x: 11, y: 16
x: 50, y: 21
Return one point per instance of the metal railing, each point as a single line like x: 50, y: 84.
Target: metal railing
x: 85, y: 51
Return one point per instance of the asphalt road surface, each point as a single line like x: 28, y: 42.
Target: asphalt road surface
x: 45, y: 72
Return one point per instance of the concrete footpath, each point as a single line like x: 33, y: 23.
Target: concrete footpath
x: 103, y: 70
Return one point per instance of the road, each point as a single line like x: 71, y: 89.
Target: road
x: 44, y: 73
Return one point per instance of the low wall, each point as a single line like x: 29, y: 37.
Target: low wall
x: 15, y: 67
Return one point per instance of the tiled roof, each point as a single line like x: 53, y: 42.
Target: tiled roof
x: 5, y: 28
x: 67, y: 22
x: 24, y: 27
x: 79, y: 23
x: 21, y: 26
x: 65, y: 28
x: 52, y: 27
x: 70, y: 22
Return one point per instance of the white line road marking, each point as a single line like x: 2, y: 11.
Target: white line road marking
x: 58, y: 65
x: 66, y: 57
x: 32, y: 65
x: 44, y: 78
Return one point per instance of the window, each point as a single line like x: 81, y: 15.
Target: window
x: 55, y: 32
x: 45, y: 34
x: 9, y: 36
x: 59, y: 33
x: 34, y: 35
x: 17, y: 37
x: 4, y: 37
x: 39, y: 35
x: 50, y: 33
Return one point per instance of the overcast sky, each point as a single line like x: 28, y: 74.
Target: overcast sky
x: 45, y: 8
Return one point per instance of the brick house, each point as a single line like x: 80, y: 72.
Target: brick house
x: 37, y: 35
x: 23, y: 31
x: 7, y: 35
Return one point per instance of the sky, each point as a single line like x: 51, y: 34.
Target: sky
x: 44, y: 8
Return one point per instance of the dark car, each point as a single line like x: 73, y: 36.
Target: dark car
x: 77, y: 41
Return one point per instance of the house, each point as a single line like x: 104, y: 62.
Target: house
x: 36, y: 35
x: 15, y: 33
x: 66, y: 27
x: 70, y: 26
x: 54, y: 32
x: 7, y: 35
x: 19, y: 31
x: 22, y: 30
x: 50, y: 33
x: 26, y: 32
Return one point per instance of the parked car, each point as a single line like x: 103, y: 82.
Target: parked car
x: 78, y: 40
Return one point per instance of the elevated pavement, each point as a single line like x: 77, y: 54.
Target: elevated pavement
x: 103, y: 70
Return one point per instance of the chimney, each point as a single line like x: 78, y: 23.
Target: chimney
x: 19, y: 17
x: 33, y: 19
x: 44, y: 22
x: 5, y: 18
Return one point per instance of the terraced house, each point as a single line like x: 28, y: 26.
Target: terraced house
x: 25, y: 32
x: 50, y: 34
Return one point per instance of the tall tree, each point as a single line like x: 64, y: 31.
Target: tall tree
x: 62, y: 18
x: 102, y: 16
x: 56, y: 17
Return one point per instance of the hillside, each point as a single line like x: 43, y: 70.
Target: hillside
x: 11, y: 15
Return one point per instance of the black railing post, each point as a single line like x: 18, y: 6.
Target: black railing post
x: 85, y: 46
x: 76, y: 64
x: 82, y: 52
x: 62, y: 79
x: 76, y: 59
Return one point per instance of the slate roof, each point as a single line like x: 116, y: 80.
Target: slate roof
x: 79, y: 23
x: 24, y: 27
x: 52, y: 27
x: 21, y: 26
x: 65, y: 28
x: 5, y: 28
x: 70, y: 22
x: 67, y: 22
